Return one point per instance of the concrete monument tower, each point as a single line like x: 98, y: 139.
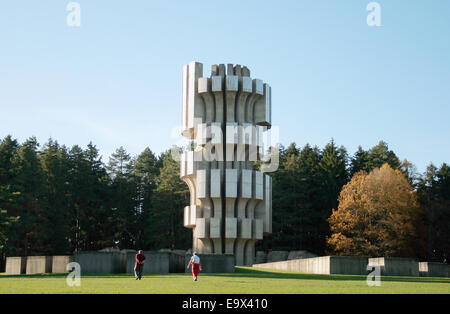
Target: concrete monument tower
x: 225, y: 115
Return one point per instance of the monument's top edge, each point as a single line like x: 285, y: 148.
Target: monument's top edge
x: 223, y: 69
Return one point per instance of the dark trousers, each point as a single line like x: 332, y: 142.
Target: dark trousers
x: 138, y: 270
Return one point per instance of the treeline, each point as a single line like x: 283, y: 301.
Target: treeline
x: 308, y: 185
x: 56, y: 200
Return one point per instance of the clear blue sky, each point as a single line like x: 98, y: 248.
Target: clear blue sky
x: 116, y: 80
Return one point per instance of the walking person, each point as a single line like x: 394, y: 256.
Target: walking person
x: 139, y: 265
x: 196, y: 266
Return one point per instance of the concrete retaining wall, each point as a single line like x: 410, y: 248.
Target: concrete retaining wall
x: 434, y: 270
x: 324, y: 265
x: 319, y: 265
x: 39, y: 265
x: 16, y: 265
x: 349, y: 265
x: 101, y: 262
x: 214, y: 263
x: 157, y: 262
x: 395, y: 266
x: 177, y: 263
x: 59, y: 264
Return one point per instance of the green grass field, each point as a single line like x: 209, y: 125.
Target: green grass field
x: 243, y: 281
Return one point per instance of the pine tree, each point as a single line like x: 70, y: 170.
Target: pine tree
x: 171, y: 196
x: 8, y: 173
x: 123, y: 199
x: 296, y: 191
x: 334, y: 175
x: 8, y: 193
x: 146, y: 173
x: 287, y: 193
x: 54, y: 161
x: 379, y: 155
x: 28, y: 235
x: 88, y: 198
x: 97, y: 210
x: 359, y: 161
x: 434, y: 195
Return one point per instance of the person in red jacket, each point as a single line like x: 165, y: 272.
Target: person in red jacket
x: 139, y: 266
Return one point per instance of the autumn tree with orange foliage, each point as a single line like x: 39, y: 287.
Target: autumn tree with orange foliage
x: 378, y: 215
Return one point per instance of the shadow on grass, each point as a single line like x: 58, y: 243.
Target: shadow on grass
x: 117, y: 276
x: 275, y: 274
x: 249, y: 272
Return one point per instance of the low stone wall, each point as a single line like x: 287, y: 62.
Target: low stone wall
x: 39, y: 265
x: 93, y: 262
x: 179, y: 252
x: 319, y: 265
x: 177, y: 262
x: 349, y: 265
x: 16, y: 265
x: 59, y: 264
x: 434, y: 270
x: 213, y: 263
x: 396, y: 266
x: 325, y: 265
x: 157, y: 262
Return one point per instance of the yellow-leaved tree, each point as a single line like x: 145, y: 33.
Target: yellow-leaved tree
x: 378, y: 215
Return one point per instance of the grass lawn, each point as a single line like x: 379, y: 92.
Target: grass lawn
x: 243, y: 281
